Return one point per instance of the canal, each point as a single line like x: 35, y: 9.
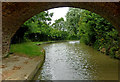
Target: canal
x: 75, y: 61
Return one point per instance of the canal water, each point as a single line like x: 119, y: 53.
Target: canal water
x: 75, y: 61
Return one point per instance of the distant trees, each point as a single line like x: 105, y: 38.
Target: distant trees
x: 59, y: 24
x: 72, y: 19
x: 36, y: 27
x: 39, y: 28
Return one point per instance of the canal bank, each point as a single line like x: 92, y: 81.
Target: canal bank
x: 21, y: 67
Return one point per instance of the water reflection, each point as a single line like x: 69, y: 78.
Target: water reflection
x: 73, y: 42
x: 75, y: 61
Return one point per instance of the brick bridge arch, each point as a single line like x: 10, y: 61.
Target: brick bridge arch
x: 15, y: 14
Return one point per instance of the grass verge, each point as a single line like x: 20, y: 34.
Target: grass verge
x: 28, y: 48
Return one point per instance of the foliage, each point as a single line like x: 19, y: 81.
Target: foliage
x: 72, y: 19
x: 58, y: 35
x: 98, y: 32
x: 38, y: 25
x: 59, y: 24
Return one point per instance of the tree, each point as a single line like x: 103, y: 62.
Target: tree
x: 36, y: 27
x: 72, y: 19
x: 98, y: 32
x: 59, y: 24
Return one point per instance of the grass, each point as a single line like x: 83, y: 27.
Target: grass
x: 29, y: 48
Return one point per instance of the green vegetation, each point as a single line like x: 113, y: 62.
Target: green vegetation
x: 29, y: 48
x: 83, y: 25
x: 72, y: 19
x: 99, y: 33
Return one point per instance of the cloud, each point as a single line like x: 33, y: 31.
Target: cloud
x: 58, y: 13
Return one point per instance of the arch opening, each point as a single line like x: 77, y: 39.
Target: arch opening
x: 72, y: 27
x: 19, y: 15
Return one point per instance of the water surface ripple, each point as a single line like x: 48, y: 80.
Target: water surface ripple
x: 75, y: 61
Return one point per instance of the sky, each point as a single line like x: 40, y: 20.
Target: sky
x: 58, y: 13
